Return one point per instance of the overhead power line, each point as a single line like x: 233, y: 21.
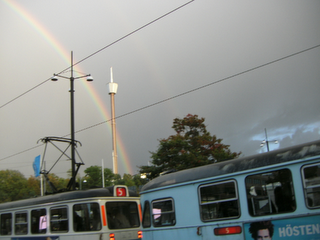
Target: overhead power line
x: 182, y: 94
x: 100, y: 50
x: 18, y: 153
x: 138, y: 29
x: 22, y: 94
x: 204, y: 86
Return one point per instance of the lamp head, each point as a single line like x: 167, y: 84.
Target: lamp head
x: 89, y: 78
x: 54, y: 78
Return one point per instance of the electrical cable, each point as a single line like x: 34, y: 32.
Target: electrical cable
x: 181, y: 94
x: 100, y: 50
x: 201, y: 87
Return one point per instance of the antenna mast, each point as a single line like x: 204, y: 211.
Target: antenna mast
x: 113, y: 87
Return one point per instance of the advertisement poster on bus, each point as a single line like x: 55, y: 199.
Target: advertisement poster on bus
x: 306, y: 228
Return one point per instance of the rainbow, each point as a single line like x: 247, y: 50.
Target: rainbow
x: 43, y: 32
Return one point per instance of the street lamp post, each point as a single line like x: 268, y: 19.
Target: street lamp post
x: 266, y: 142
x: 73, y: 143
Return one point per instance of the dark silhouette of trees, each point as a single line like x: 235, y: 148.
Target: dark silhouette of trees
x: 191, y: 146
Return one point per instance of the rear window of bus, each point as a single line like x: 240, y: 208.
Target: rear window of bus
x: 311, y: 184
x: 219, y: 201
x: 270, y: 193
x: 163, y: 213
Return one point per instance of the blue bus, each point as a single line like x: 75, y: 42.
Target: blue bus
x: 274, y: 195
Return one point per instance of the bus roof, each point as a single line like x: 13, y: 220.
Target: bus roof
x: 65, y: 196
x: 235, y: 165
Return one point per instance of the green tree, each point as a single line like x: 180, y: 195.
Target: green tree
x: 94, y: 177
x: 13, y: 186
x: 108, y: 177
x: 117, y: 180
x: 191, y: 146
x: 33, y: 186
x: 128, y: 180
x: 139, y: 182
x: 59, y: 183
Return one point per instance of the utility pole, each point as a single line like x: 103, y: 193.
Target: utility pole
x: 73, y: 141
x: 266, y: 141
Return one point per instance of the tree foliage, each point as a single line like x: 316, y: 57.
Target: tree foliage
x: 93, y: 177
x: 191, y: 146
x: 33, y: 186
x: 14, y: 186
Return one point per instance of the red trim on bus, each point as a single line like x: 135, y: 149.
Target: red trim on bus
x: 140, y: 211
x: 228, y: 230
x: 104, y: 218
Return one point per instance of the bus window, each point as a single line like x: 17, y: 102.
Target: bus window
x: 163, y: 213
x: 59, y: 219
x: 311, y: 183
x: 146, y: 215
x: 219, y: 201
x: 6, y: 224
x: 21, y: 223
x: 122, y: 215
x: 39, y: 221
x: 270, y: 193
x: 86, y: 217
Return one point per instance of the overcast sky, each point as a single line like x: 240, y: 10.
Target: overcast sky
x: 205, y: 49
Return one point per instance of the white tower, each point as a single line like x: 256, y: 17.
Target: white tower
x: 113, y: 87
